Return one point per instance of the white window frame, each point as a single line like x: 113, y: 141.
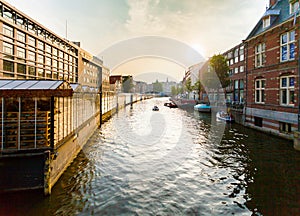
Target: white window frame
x: 287, y: 89
x: 259, y: 91
x: 242, y: 68
x: 266, y: 22
x: 260, y: 50
x: 287, y: 41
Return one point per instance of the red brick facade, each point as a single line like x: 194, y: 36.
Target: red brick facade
x: 270, y: 114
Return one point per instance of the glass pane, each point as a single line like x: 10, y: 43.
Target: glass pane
x: 283, y: 97
x: 262, y: 96
x: 283, y: 53
x: 257, y: 84
x: 284, y: 38
x: 257, y: 99
x: 263, y: 47
x: 258, y: 63
x: 292, y: 81
x: 283, y: 82
x: 292, y: 51
x: 292, y: 36
x: 236, y: 84
x: 27, y: 126
x: 11, y: 116
x: 241, y: 84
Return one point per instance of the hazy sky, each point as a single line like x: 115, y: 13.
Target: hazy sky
x: 209, y: 26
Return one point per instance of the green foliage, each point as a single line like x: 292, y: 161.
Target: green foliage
x: 188, y: 85
x: 219, y: 65
x: 127, y: 84
x: 157, y: 86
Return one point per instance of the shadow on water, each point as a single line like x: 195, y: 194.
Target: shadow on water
x: 266, y: 167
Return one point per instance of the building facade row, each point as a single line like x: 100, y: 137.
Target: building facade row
x: 264, y: 71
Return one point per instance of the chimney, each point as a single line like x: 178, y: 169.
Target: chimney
x: 272, y: 2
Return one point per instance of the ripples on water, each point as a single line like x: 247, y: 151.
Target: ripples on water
x: 170, y: 162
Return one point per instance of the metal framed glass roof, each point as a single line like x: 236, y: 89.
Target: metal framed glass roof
x: 30, y: 84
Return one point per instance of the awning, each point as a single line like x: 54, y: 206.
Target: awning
x: 35, y: 88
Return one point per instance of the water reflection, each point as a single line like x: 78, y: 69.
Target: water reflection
x: 128, y: 169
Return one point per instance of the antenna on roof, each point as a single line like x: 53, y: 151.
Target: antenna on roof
x: 67, y: 29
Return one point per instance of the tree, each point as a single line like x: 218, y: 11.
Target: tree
x: 157, y: 86
x: 188, y: 85
x: 219, y: 65
x: 127, y: 84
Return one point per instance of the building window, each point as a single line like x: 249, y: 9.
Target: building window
x: 8, y: 66
x: 8, y: 31
x: 20, y: 52
x: 21, y: 36
x: 41, y: 45
x: 260, y: 91
x: 31, y: 56
x: 266, y: 22
x: 294, y: 7
x: 236, y: 90
x: 258, y: 121
x: 40, y: 59
x: 242, y: 56
x: 231, y: 61
x: 31, y: 41
x: 285, y: 127
x: 236, y: 70
x: 48, y: 48
x: 260, y: 55
x: 21, y: 68
x: 31, y: 70
x: 236, y: 56
x: 287, y: 90
x: 287, y: 46
x: 242, y: 68
x: 8, y: 48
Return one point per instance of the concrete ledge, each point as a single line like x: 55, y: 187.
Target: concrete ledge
x: 297, y: 140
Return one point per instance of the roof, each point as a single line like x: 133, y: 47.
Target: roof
x: 279, y: 13
x: 34, y: 88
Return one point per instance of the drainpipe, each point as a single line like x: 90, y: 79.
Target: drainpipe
x: 246, y: 80
x: 297, y: 133
x: 100, y: 107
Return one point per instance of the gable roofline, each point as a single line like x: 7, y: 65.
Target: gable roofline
x: 279, y: 13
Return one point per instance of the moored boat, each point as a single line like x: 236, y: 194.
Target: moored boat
x: 224, y: 116
x: 203, y: 107
x: 155, y: 108
x: 170, y: 105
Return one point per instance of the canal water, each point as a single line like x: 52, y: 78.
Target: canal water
x: 171, y: 162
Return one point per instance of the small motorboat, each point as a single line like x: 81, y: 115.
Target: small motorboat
x: 202, y: 107
x: 224, y: 116
x: 170, y: 105
x: 155, y: 108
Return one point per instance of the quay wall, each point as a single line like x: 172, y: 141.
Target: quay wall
x: 66, y: 153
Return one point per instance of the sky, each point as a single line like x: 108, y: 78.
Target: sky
x: 208, y: 26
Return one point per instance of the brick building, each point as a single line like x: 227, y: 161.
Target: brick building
x: 272, y: 67
x: 235, y: 92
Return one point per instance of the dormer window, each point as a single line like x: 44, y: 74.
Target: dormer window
x: 266, y: 22
x: 294, y: 6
